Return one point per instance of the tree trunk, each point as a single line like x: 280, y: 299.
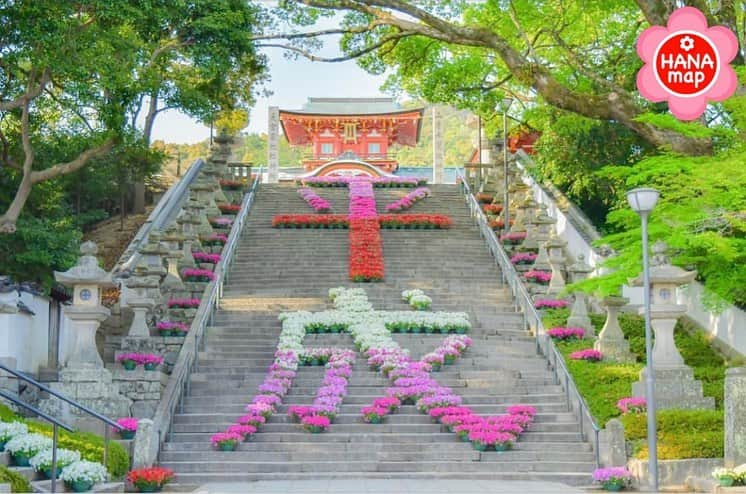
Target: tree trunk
x: 9, y: 219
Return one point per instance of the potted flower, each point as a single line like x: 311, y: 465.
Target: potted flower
x: 612, y: 478
x: 198, y: 275
x: 435, y: 360
x: 632, y: 404
x: 128, y: 360
x: 23, y: 448
x: 151, y: 479
x: 81, y: 476
x: 254, y: 420
x: 315, y: 423
x: 725, y: 476
x: 225, y: 441
x: 589, y: 355
x: 151, y: 361
x: 373, y: 414
x: 420, y: 302
x: 540, y: 277
x: 42, y: 461
x: 243, y: 430
x: 128, y: 427
x: 9, y: 430
x: 172, y: 328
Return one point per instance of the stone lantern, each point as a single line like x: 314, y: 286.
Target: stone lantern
x: 542, y: 259
x: 153, y: 253
x: 579, y: 313
x: 87, y: 280
x: 140, y: 299
x: 213, y: 173
x: 197, y: 209
x: 675, y: 386
x: 204, y: 192
x: 188, y: 223
x: 611, y: 342
x: 556, y: 250
x: 542, y: 228
x: 84, y: 378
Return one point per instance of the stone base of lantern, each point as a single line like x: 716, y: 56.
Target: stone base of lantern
x: 91, y: 386
x: 143, y: 388
x: 616, y: 350
x: 675, y: 388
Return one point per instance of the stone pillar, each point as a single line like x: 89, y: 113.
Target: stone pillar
x: 556, y: 250
x: 273, y: 145
x: 84, y: 377
x: 735, y: 416
x: 438, y: 146
x: 172, y: 282
x: 139, y: 299
x: 675, y: 386
x: 542, y: 259
x: 579, y: 313
x: 612, y: 447
x: 611, y: 342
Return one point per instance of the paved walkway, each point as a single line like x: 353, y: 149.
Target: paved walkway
x: 391, y: 486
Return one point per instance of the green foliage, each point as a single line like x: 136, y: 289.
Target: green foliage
x: 18, y: 483
x: 668, y: 121
x: 681, y: 434
x: 602, y: 384
x: 91, y: 446
x: 39, y: 246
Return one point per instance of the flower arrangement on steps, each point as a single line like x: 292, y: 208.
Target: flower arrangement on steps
x: 216, y: 239
x: 197, y: 275
x: 730, y: 477
x: 206, y: 257
x: 9, y: 430
x: 523, y: 258
x: 546, y: 303
x: 172, y: 328
x: 232, y: 184
x: 81, y: 476
x: 227, y: 208
x: 613, y: 478
x: 183, y: 303
x: 221, y: 223
x: 417, y: 299
x: 632, y: 405
x: 492, y: 208
x: 589, y: 355
x: 484, y: 198
x: 131, y: 360
x: 408, y: 200
x: 23, y: 447
x: 540, y: 277
x: 128, y: 427
x: 515, y: 238
x: 378, y: 182
x: 566, y: 334
x: 42, y: 462
x: 317, y: 203
x: 150, y: 479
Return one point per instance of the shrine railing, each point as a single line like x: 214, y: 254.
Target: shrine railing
x: 188, y: 359
x: 532, y: 320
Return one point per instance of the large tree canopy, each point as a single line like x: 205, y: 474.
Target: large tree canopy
x: 576, y: 56
x: 83, y: 70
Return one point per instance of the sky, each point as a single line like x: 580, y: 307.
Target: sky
x: 292, y: 83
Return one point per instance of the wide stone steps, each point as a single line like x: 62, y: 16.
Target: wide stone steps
x: 278, y: 270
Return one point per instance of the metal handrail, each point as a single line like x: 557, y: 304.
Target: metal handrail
x: 72, y: 402
x: 532, y: 319
x: 55, y: 424
x: 159, y: 217
x: 188, y: 359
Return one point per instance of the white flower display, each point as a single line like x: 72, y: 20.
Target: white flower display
x: 724, y: 473
x: 420, y: 302
x: 28, y: 444
x: 407, y: 295
x: 84, y: 471
x: 9, y: 430
x: 43, y: 459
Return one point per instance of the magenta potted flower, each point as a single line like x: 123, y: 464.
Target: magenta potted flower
x: 374, y: 414
x: 172, y: 328
x: 243, y: 430
x: 151, y: 361
x: 632, y: 404
x: 128, y: 360
x: 540, y: 277
x: 198, y: 275
x: 315, y: 423
x: 252, y: 419
x: 226, y: 441
x: 128, y: 427
x: 613, y: 478
x: 589, y: 355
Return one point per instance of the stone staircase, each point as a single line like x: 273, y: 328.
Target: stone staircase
x: 279, y: 270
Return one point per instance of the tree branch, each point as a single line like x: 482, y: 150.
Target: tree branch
x: 395, y: 38
x: 83, y: 158
x: 32, y: 91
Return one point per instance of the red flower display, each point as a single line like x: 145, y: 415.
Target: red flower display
x: 366, y: 250
x: 148, y: 478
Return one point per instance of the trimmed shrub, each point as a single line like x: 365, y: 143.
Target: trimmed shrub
x: 18, y: 483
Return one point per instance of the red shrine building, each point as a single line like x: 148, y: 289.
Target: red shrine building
x: 344, y: 131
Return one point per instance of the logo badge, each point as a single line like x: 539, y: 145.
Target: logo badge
x: 686, y: 63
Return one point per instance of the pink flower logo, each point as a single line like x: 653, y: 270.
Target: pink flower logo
x: 686, y: 63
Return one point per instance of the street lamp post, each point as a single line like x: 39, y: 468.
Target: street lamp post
x: 642, y: 201
x: 505, y: 106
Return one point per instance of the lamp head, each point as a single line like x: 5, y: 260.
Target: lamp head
x: 642, y: 201
x: 505, y: 103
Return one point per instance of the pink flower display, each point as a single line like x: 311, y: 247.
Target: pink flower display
x: 538, y: 276
x: 566, y: 333
x: 545, y: 303
x: 243, y: 430
x: 408, y: 200
x: 172, y: 326
x: 315, y: 423
x: 317, y: 203
x: 632, y: 404
x: 128, y: 423
x: 206, y: 257
x: 225, y: 437
x: 183, y: 303
x: 523, y: 258
x: 686, y: 63
x: 589, y: 354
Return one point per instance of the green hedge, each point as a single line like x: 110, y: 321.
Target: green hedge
x: 18, y: 483
x: 602, y: 384
x: 90, y: 446
x: 681, y: 434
